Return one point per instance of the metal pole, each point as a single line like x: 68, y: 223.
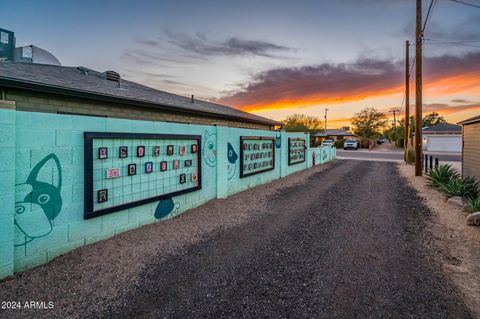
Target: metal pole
x: 436, y: 162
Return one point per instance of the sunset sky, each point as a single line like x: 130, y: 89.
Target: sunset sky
x: 272, y: 58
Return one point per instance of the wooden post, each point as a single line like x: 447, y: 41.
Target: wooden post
x: 418, y: 91
x: 407, y: 100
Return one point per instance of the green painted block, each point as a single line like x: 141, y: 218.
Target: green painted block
x: 6, y: 156
x: 30, y: 261
x: 6, y: 271
x: 125, y: 228
x: 111, y: 221
x: 101, y: 236
x: 58, y: 250
x: 7, y: 203
x: 7, y: 116
x: 46, y: 121
x: 89, y: 123
x: 7, y: 135
x: 84, y: 229
x: 6, y: 253
x: 69, y: 138
x: 7, y: 182
x: 7, y: 229
x: 36, y: 139
x: 19, y: 252
x: 118, y: 125
x: 58, y: 236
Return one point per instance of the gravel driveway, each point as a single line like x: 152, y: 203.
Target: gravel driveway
x: 344, y: 240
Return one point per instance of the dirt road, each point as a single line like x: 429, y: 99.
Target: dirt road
x: 349, y: 241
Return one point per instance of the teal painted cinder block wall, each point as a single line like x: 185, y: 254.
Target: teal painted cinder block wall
x: 42, y: 186
x: 7, y: 190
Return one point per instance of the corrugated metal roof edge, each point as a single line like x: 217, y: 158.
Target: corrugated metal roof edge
x: 35, y: 86
x: 471, y: 120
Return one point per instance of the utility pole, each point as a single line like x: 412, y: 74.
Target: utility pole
x: 418, y: 91
x: 407, y: 100
x: 395, y: 111
x: 326, y: 110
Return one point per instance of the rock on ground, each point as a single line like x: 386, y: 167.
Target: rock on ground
x: 473, y: 219
x: 457, y: 201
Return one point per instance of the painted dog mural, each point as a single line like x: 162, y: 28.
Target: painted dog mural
x: 278, y: 141
x: 210, y: 149
x: 42, y: 200
x: 232, y: 160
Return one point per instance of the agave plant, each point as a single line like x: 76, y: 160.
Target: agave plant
x: 466, y: 187
x: 439, y: 176
x: 473, y: 205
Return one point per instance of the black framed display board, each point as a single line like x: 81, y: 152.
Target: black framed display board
x: 124, y: 170
x: 257, y: 155
x: 296, y: 151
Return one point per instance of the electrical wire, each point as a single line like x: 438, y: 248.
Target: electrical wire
x: 430, y: 10
x: 466, y: 3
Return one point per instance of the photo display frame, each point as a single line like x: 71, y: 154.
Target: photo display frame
x: 257, y: 155
x: 138, y: 180
x: 296, y: 150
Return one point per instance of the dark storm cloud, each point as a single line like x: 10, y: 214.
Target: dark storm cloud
x: 460, y: 101
x: 344, y: 82
x: 325, y: 81
x: 444, y: 108
x: 201, y: 45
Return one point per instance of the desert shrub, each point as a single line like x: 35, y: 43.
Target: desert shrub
x: 440, y: 175
x: 339, y: 144
x: 466, y: 187
x: 473, y: 205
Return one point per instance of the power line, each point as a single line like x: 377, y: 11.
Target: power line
x: 430, y: 9
x: 437, y: 42
x: 466, y: 3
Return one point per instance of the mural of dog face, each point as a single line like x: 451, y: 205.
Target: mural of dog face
x: 278, y: 141
x: 210, y: 149
x: 232, y: 160
x: 39, y: 200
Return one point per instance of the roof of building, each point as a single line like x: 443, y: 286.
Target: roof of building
x: 87, y: 83
x: 471, y: 120
x: 443, y: 128
x: 332, y: 132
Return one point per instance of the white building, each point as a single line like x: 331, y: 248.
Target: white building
x: 444, y: 137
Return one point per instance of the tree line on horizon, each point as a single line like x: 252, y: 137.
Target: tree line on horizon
x: 369, y: 123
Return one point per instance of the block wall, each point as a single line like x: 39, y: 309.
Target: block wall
x: 42, y: 181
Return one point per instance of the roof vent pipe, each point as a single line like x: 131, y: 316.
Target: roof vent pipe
x: 193, y: 99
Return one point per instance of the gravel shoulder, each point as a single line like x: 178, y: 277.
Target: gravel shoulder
x: 460, y: 242
x: 350, y: 239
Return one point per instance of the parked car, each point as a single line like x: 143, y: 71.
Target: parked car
x: 350, y: 144
x: 328, y: 143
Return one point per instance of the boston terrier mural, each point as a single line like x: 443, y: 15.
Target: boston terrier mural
x: 38, y: 200
x: 232, y: 160
x: 210, y: 149
x: 278, y: 141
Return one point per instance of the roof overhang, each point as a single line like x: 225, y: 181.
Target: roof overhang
x: 35, y: 86
x: 472, y: 120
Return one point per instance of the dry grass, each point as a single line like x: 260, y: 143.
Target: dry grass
x: 451, y: 232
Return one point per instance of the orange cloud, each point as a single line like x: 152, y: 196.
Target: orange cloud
x: 292, y: 88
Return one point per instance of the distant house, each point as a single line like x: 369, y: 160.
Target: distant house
x: 471, y: 147
x: 444, y: 137
x: 332, y: 134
